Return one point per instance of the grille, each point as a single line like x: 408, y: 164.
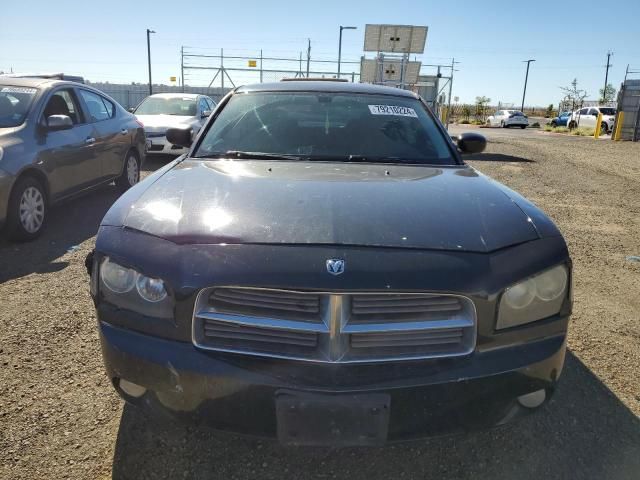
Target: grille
x: 278, y: 303
x: 373, y: 308
x: 334, y: 327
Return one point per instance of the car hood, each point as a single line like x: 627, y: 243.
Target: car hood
x: 273, y: 202
x: 163, y: 122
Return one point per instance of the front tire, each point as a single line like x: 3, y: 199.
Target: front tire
x: 130, y: 173
x: 502, y: 124
x: 604, y: 128
x: 28, y: 210
x: 523, y: 126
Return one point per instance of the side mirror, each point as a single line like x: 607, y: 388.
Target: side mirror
x: 205, y: 113
x: 59, y: 122
x: 471, y: 142
x: 179, y: 136
x: 131, y: 109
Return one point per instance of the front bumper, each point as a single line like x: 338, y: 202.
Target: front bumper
x: 160, y: 145
x: 238, y: 393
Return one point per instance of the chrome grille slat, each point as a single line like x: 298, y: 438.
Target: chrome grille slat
x: 332, y: 327
x: 253, y: 302
x: 254, y: 334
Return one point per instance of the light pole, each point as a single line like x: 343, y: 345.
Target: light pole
x: 340, y: 45
x: 526, y: 78
x: 149, y: 32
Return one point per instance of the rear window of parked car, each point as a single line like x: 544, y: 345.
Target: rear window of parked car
x: 99, y: 107
x: 328, y: 126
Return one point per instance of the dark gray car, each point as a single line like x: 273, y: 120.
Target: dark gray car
x: 59, y: 139
x: 322, y: 266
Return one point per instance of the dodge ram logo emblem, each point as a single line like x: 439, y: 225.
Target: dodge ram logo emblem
x: 335, y: 266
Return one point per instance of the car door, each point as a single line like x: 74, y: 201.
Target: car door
x: 68, y: 156
x: 112, y: 139
x: 581, y: 117
x: 591, y: 118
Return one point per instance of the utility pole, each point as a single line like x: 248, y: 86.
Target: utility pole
x: 526, y: 78
x: 340, y: 45
x: 606, y: 76
x: 182, y: 67
x: 308, y: 55
x: 149, y: 32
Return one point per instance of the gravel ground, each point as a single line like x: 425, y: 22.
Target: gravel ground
x: 60, y: 418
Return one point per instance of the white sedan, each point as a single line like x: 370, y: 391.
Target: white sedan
x: 162, y: 111
x: 508, y: 118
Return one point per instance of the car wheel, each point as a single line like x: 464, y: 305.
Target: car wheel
x: 604, y: 128
x: 27, y: 212
x: 502, y: 124
x: 523, y: 126
x: 553, y: 124
x: 131, y: 172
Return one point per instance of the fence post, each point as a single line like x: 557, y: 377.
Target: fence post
x: 260, y: 65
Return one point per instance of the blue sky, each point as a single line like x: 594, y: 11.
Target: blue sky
x: 490, y: 38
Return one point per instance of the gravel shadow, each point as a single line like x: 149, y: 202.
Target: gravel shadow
x: 69, y: 224
x: 584, y: 432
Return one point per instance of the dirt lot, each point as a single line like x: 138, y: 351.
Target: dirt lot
x: 59, y: 417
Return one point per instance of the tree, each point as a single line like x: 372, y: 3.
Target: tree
x: 466, y: 112
x: 481, y: 107
x: 549, y: 112
x: 609, y: 94
x: 574, y: 96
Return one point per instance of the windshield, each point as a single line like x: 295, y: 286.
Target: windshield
x: 184, y: 106
x: 328, y: 126
x: 608, y: 111
x: 14, y: 104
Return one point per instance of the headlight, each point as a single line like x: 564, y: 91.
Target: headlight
x: 151, y: 289
x: 535, y: 298
x: 117, y: 278
x: 131, y: 290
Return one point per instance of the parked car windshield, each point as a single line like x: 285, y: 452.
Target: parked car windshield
x: 14, y: 104
x: 608, y: 111
x: 185, y: 106
x: 328, y: 126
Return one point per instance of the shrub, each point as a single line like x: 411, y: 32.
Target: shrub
x: 535, y: 125
x: 583, y: 132
x: 464, y: 122
x: 550, y: 128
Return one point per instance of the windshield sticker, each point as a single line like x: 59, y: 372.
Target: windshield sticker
x: 392, y: 110
x: 30, y: 91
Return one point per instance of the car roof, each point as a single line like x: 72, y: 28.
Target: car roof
x: 176, y: 95
x: 325, y: 86
x: 27, y: 81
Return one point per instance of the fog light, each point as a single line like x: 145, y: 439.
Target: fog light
x: 533, y: 399
x: 132, y: 389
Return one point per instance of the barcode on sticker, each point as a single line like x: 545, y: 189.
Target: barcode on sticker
x: 392, y: 110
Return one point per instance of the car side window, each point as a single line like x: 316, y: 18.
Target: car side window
x: 99, y: 108
x: 593, y: 111
x: 63, y: 102
x: 211, y: 103
x: 583, y: 111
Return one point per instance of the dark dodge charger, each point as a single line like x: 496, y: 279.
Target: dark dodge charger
x: 322, y: 266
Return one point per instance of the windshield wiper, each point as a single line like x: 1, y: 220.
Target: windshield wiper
x: 252, y: 155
